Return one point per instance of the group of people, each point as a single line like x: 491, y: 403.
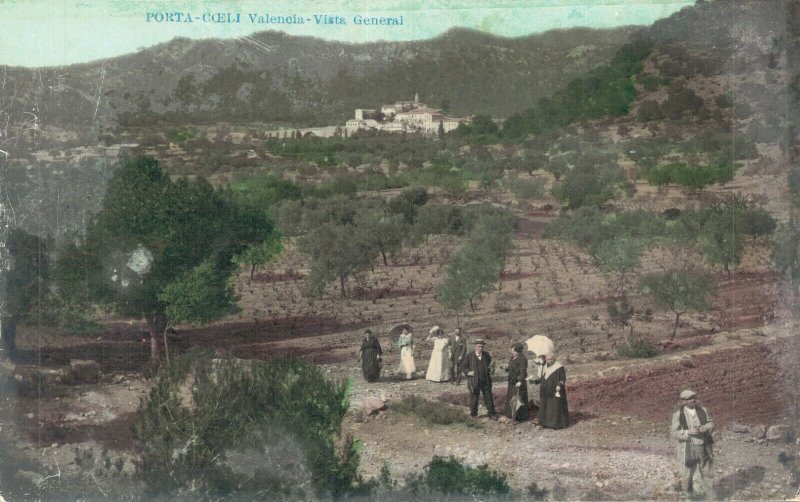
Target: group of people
x: 451, y: 360
x: 691, y: 425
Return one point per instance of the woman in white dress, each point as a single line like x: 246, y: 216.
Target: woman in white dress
x: 406, y: 343
x: 439, y: 367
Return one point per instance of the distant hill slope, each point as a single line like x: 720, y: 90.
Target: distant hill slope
x: 271, y: 76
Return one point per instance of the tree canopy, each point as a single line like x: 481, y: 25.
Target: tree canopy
x: 151, y: 235
x: 679, y: 290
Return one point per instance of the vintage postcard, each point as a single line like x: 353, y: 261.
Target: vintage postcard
x: 392, y: 250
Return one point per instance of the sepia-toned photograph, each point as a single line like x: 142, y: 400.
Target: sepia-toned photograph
x: 399, y: 250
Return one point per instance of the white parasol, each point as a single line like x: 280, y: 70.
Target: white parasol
x: 540, y: 345
x: 398, y: 328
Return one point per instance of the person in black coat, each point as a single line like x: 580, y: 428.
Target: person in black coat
x: 517, y: 384
x: 553, y: 410
x: 457, y: 355
x: 370, y: 356
x: 479, y: 379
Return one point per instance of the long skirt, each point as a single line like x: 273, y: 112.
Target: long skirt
x: 439, y: 366
x: 524, y: 412
x: 407, y: 364
x: 370, y: 365
x: 553, y: 412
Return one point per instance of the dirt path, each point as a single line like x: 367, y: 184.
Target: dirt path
x: 618, y: 446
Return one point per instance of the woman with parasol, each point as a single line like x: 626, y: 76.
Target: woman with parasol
x: 406, y: 344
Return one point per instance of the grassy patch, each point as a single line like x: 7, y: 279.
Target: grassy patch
x: 433, y: 412
x: 637, y: 347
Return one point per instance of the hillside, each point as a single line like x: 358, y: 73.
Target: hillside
x: 271, y: 76
x: 663, y: 162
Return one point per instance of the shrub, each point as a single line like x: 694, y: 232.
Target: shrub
x: 637, y: 347
x: 209, y: 428
x: 681, y: 100
x: 535, y: 492
x: 525, y: 189
x: 724, y: 101
x: 589, y: 186
x: 448, y: 475
x: 433, y: 412
x: 649, y: 110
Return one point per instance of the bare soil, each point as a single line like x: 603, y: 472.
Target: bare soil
x: 739, y: 356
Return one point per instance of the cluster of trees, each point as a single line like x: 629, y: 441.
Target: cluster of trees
x: 694, y: 177
x: 720, y: 149
x: 158, y: 249
x: 616, y: 240
x: 680, y: 100
x: 474, y: 268
x: 345, y: 236
x: 606, y: 91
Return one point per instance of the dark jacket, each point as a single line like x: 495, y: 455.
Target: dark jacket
x: 459, y: 348
x: 479, y: 370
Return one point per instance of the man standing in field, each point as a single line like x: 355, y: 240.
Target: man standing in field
x: 457, y: 355
x: 479, y: 379
x: 692, y: 426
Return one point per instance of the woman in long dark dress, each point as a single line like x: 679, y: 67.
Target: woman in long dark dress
x: 553, y: 411
x: 517, y: 374
x: 371, y: 356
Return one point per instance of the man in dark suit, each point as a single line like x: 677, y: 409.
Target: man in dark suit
x: 457, y: 355
x: 479, y: 379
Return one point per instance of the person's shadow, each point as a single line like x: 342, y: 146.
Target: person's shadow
x: 738, y: 481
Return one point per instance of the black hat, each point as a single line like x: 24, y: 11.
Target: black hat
x: 518, y: 347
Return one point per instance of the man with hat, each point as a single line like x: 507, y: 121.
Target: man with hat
x: 692, y: 426
x: 479, y: 379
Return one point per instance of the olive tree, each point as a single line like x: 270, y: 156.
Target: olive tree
x: 679, y: 291
x: 151, y: 235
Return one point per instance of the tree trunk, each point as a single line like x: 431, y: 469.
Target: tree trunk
x: 383, y: 254
x: 341, y: 284
x: 471, y: 305
x: 166, y: 345
x: 675, y: 327
x: 156, y: 324
x: 252, y: 271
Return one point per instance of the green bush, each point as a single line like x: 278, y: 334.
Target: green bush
x: 209, y: 428
x: 525, y: 189
x: 637, y: 347
x: 696, y: 177
x: 265, y: 191
x: 322, y: 151
x: 589, y: 186
x: 181, y: 135
x: 432, y: 412
x: 448, y: 475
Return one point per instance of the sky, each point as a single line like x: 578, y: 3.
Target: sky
x: 58, y: 32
